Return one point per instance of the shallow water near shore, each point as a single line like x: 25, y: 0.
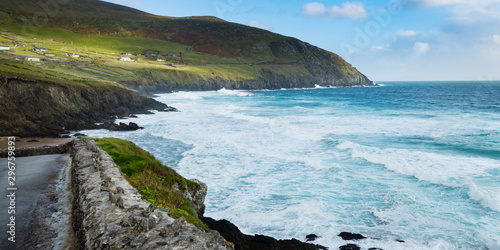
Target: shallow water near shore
x: 418, y: 162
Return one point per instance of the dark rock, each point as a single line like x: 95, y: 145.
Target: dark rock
x: 374, y: 248
x: 311, y: 237
x: 400, y: 241
x: 79, y: 134
x: 122, y: 126
x: 120, y: 203
x: 170, y: 109
x: 248, y: 242
x: 351, y: 236
x: 133, y: 116
x: 350, y: 247
x: 58, y: 108
x: 65, y: 136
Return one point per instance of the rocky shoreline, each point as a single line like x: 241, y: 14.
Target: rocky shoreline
x: 32, y: 108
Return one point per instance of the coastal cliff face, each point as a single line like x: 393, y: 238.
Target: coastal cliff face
x: 296, y: 64
x: 37, y: 108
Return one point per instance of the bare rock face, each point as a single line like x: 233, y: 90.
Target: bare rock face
x: 197, y: 197
x: 31, y: 108
x: 110, y: 213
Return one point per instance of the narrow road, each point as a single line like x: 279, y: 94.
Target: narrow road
x: 41, y: 203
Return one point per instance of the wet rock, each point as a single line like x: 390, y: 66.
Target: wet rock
x: 121, y: 126
x: 351, y: 236
x: 350, y: 247
x: 312, y: 237
x: 247, y: 242
x: 79, y: 134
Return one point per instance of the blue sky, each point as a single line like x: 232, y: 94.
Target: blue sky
x: 410, y: 40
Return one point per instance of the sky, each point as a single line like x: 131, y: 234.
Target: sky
x: 387, y: 40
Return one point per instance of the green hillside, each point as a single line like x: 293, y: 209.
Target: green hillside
x: 166, y: 53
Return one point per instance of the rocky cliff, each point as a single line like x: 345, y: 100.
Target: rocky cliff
x: 38, y: 108
x: 296, y: 64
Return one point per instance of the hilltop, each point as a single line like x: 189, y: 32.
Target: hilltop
x: 159, y: 54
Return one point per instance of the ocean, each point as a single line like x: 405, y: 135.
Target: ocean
x: 417, y: 162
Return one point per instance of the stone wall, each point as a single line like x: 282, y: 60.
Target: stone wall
x: 110, y: 214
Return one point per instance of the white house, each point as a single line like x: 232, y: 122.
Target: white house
x: 4, y: 48
x: 32, y: 59
x: 127, y: 53
x: 72, y: 55
x: 38, y: 49
x: 126, y: 59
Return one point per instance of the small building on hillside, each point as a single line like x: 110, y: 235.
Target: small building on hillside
x: 39, y: 49
x: 72, y: 55
x: 49, y: 54
x: 127, y: 54
x: 172, y: 55
x: 32, y: 59
x: 4, y: 48
x: 161, y: 60
x: 126, y: 59
x: 148, y: 53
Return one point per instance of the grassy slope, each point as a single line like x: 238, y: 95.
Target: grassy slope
x: 152, y: 179
x: 212, y: 48
x: 103, y: 51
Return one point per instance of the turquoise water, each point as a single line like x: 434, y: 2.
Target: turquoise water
x: 416, y: 161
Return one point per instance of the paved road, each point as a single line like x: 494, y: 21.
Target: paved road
x: 41, y: 202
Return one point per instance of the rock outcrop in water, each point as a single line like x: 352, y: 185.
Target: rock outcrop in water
x: 250, y: 242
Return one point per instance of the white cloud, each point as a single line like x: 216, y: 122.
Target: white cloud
x: 420, y: 47
x: 407, y: 33
x: 351, y: 10
x: 464, y: 10
x: 494, y: 38
x: 381, y: 47
x: 435, y: 3
x: 256, y: 24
